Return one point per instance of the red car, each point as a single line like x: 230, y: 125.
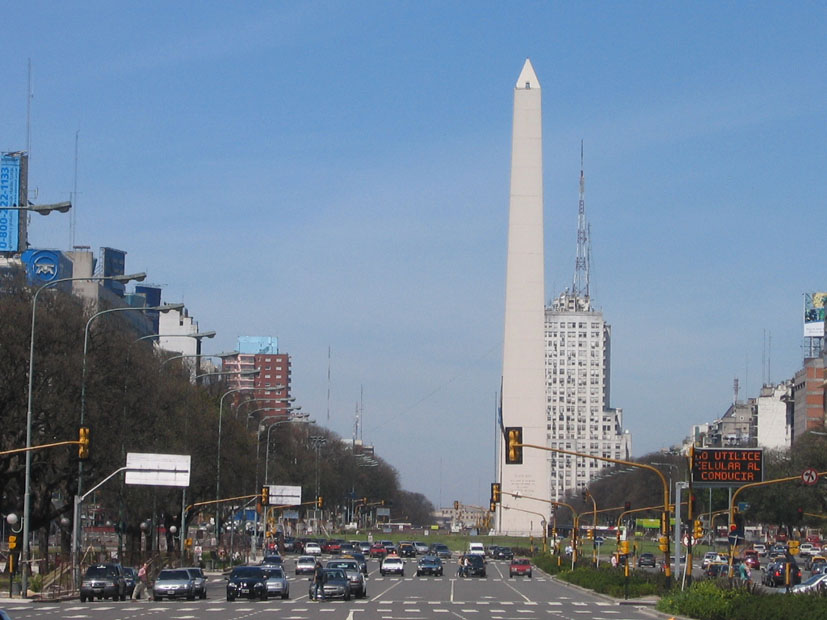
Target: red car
x: 751, y: 559
x: 520, y: 567
x: 378, y: 550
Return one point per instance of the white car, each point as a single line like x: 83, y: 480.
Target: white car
x: 392, y: 564
x: 711, y: 556
x: 305, y: 565
x: 761, y: 549
x: 476, y: 548
x: 312, y: 548
x: 805, y: 549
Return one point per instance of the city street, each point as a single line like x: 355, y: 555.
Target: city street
x: 410, y: 598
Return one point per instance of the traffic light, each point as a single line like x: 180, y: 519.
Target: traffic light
x: 265, y: 496
x: 83, y: 442
x: 663, y: 543
x: 12, y: 542
x: 496, y: 495
x: 493, y: 506
x: 456, y: 504
x: 698, y: 530
x: 514, y: 448
x: 320, y: 502
x: 589, y: 534
x: 364, y: 500
x: 624, y: 547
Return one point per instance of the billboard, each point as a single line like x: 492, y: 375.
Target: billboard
x: 9, y: 197
x: 814, y: 314
x: 166, y: 470
x: 281, y: 495
x: 44, y: 266
x: 114, y: 263
x: 727, y: 467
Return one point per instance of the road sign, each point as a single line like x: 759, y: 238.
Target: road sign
x: 166, y: 470
x: 727, y: 467
x: 809, y: 476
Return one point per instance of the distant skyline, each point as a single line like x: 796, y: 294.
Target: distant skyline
x: 337, y: 175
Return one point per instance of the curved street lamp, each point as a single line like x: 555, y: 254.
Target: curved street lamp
x: 24, y: 554
x: 60, y: 207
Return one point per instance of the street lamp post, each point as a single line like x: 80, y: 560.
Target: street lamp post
x: 24, y: 555
x: 218, y: 459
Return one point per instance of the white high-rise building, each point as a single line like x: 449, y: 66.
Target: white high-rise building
x: 578, y: 379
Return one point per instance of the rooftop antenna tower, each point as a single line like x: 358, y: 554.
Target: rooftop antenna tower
x: 580, y: 285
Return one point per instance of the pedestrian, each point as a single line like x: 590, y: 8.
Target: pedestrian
x: 614, y: 560
x: 140, y: 587
x: 318, y: 579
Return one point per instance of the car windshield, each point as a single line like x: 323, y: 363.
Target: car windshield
x: 195, y: 573
x: 521, y: 562
x: 246, y: 571
x: 276, y: 573
x: 101, y: 571
x: 170, y: 575
x: 334, y: 573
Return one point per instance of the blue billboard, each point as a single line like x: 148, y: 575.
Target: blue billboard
x: 9, y: 197
x: 44, y: 266
x: 114, y: 263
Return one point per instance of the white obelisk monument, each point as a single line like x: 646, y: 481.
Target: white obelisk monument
x: 523, y: 379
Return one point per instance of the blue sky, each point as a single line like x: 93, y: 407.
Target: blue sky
x: 336, y: 174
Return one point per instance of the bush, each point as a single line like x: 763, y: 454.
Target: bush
x: 605, y: 579
x: 711, y: 600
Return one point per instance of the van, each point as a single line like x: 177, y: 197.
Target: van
x: 476, y: 548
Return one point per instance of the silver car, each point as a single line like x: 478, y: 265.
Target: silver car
x: 199, y: 581
x: 174, y: 583
x: 355, y: 578
x: 305, y: 565
x: 277, y: 584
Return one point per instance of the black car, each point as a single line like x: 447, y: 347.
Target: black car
x: 646, y: 559
x: 475, y: 566
x: 247, y: 582
x: 429, y: 565
x: 130, y: 575
x: 406, y: 550
x: 199, y: 581
x: 504, y: 553
x: 776, y: 574
x: 103, y: 581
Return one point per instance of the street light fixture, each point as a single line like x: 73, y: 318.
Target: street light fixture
x: 24, y: 554
x: 197, y: 355
x: 60, y: 207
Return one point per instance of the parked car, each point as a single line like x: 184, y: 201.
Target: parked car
x: 305, y: 565
x: 334, y: 584
x: 392, y: 565
x: 355, y: 577
x: 247, y: 582
x: 103, y: 581
x: 429, y: 565
x: 775, y: 575
x: 312, y: 548
x: 174, y: 583
x: 199, y: 581
x: 646, y: 559
x: 277, y: 584
x: 520, y: 567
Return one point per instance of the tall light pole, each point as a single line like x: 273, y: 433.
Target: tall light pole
x: 218, y: 457
x: 197, y: 356
x: 24, y: 554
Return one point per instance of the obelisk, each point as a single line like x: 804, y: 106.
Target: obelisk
x: 523, y: 378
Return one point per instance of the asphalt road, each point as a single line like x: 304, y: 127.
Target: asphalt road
x: 389, y: 598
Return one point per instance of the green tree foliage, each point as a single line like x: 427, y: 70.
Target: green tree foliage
x: 133, y: 403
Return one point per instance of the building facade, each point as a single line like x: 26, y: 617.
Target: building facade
x: 270, y: 389
x: 578, y: 380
